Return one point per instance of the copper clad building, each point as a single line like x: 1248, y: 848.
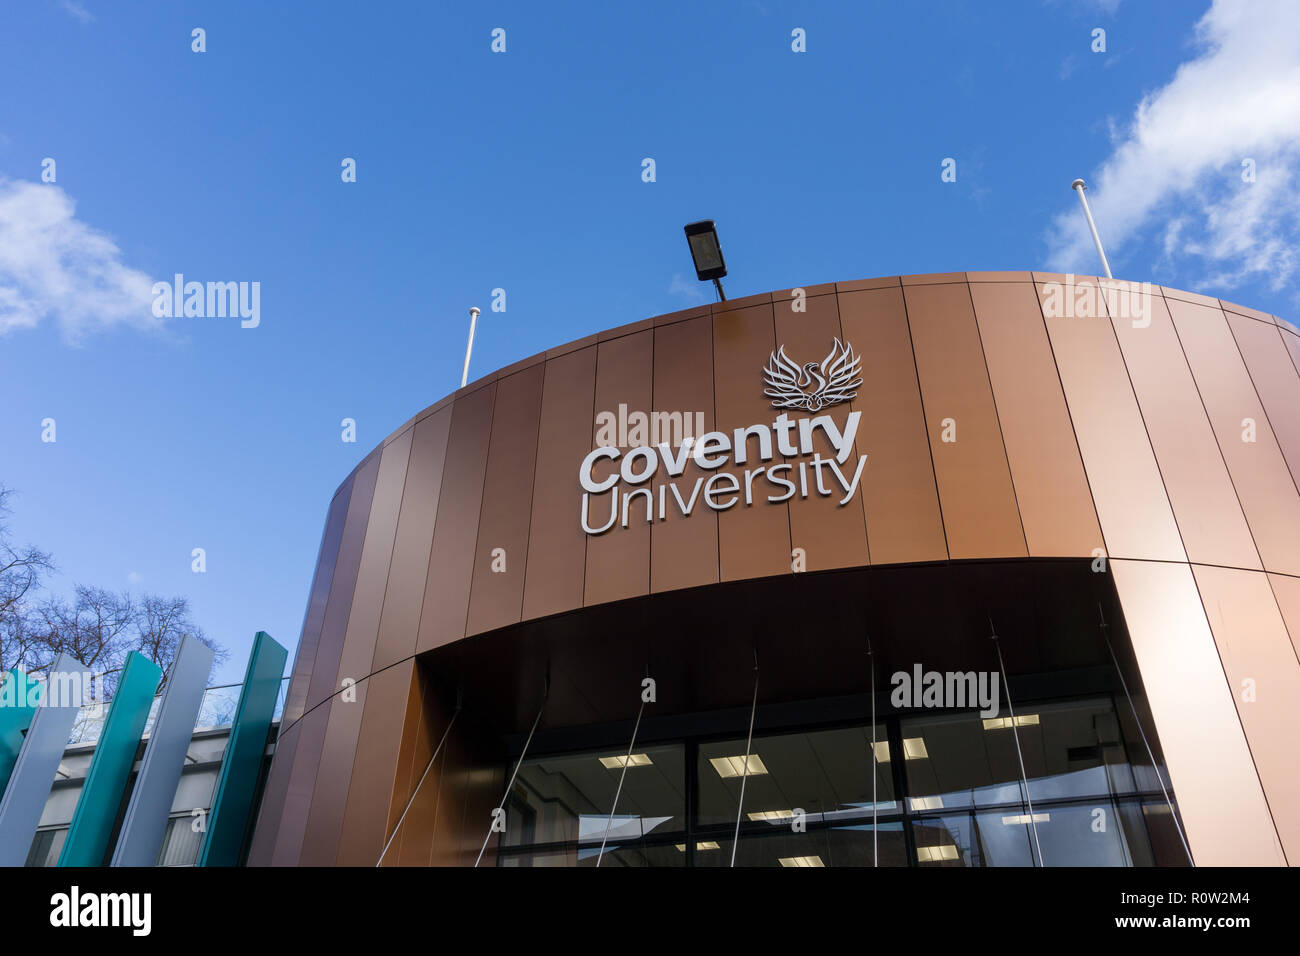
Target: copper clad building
x: 1109, y: 488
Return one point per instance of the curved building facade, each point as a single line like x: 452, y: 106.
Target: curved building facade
x: 965, y: 569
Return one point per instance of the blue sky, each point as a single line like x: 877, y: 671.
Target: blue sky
x: 522, y: 171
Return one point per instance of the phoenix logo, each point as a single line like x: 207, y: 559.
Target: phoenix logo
x: 813, y: 386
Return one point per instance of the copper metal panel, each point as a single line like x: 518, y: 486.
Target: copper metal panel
x: 898, y: 490
x: 863, y: 285
x: 1126, y: 486
x: 329, y: 797
x: 338, y: 607
x: 271, y: 809
x: 497, y: 591
x: 788, y: 295
x: 1194, y: 297
x: 582, y: 343
x: 1264, y: 677
x: 376, y: 559
x: 295, y: 701
x: 618, y: 561
x: 1263, y: 483
x: 754, y: 541
x: 933, y: 278
x: 375, y: 767
x: 1209, y: 515
x: 999, y: 277
x: 557, y: 547
x: 684, y: 551
x: 1287, y: 591
x: 1051, y: 488
x: 414, y: 839
x: 1292, y: 343
x: 831, y: 535
x: 446, y: 592
x: 683, y: 315
x: 1247, y: 311
x: 1214, y: 780
x: 1276, y: 382
x: 745, y: 302
x: 450, y: 823
x: 404, y: 780
x: 975, y: 490
x: 291, y: 827
x: 622, y: 330
x: 408, y: 571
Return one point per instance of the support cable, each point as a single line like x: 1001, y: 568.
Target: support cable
x: 1155, y: 767
x: 505, y: 796
x: 626, y: 760
x: 1015, y: 731
x: 740, y: 807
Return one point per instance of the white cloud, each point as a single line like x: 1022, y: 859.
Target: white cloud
x: 54, y: 266
x: 1175, y: 175
x: 78, y: 11
x: 691, y: 290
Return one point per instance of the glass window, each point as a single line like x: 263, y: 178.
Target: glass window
x: 825, y: 773
x: 46, y: 847
x: 181, y: 843
x: 1075, y: 834
x: 962, y: 803
x: 568, y: 798
x: 961, y: 760
x: 818, y: 847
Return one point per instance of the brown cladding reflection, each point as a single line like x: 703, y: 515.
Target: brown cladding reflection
x: 338, y: 607
x: 329, y: 796
x: 376, y: 561
x: 752, y: 542
x: 1287, y: 591
x: 1259, y: 473
x: 501, y: 556
x: 618, y: 561
x: 1136, y: 519
x: 404, y: 598
x: 975, y: 491
x: 828, y: 534
x: 291, y: 827
x: 1205, y: 504
x: 1219, y: 794
x: 1263, y: 671
x: 1051, y: 489
x: 898, y: 490
x: 684, y: 551
x: 1276, y: 382
x: 295, y: 702
x: 390, y: 696
x: 557, y: 548
x: 446, y: 593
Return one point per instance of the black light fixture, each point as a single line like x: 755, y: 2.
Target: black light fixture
x: 702, y: 237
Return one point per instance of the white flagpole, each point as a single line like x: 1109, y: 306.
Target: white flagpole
x: 1079, y: 186
x: 473, y: 320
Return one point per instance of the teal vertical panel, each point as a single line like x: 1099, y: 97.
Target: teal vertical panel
x: 232, y: 800
x: 17, y: 705
x: 110, y: 767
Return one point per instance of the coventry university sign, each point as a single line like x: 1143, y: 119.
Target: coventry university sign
x: 749, y: 450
